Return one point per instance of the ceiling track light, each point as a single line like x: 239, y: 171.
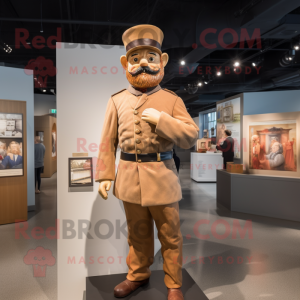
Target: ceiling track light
x: 236, y: 64
x: 182, y: 62
x: 288, y: 58
x: 257, y: 62
x: 5, y: 47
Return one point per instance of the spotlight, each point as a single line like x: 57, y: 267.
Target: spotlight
x: 200, y: 84
x: 192, y: 89
x: 287, y: 58
x: 296, y: 47
x: 236, y: 64
x: 5, y: 47
x: 44, y: 91
x: 205, y: 82
x: 182, y: 62
x: 257, y: 62
x: 218, y: 73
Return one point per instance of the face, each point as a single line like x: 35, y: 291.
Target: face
x: 144, y: 67
x: 14, y: 148
x: 275, y: 148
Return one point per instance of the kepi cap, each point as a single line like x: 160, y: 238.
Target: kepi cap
x: 141, y: 36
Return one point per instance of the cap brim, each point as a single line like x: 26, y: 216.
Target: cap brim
x: 141, y: 47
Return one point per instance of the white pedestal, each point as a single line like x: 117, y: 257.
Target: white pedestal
x: 204, y: 166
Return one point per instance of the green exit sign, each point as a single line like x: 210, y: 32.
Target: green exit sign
x: 53, y: 111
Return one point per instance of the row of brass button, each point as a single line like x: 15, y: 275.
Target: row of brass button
x: 137, y: 131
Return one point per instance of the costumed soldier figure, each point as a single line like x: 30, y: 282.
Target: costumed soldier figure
x: 145, y: 121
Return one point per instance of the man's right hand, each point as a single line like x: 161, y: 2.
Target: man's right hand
x: 104, y: 187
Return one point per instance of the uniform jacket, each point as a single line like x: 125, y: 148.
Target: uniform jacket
x: 144, y: 183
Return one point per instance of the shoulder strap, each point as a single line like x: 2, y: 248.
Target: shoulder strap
x: 118, y: 92
x: 170, y: 92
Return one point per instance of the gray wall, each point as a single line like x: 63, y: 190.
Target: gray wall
x: 42, y: 104
x: 18, y: 86
x: 271, y: 102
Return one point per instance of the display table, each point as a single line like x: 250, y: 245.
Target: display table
x: 204, y: 166
x: 269, y: 196
x: 102, y: 287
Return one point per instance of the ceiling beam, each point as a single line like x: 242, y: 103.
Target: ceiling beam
x: 82, y: 22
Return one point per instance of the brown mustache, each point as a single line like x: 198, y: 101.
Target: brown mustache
x: 146, y: 69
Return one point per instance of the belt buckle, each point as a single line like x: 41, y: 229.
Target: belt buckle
x: 158, y: 157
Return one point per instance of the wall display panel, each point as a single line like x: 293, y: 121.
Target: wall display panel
x: 80, y: 172
x: 13, y: 162
x: 229, y: 117
x: 273, y: 144
x: 11, y: 144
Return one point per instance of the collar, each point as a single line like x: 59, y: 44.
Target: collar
x: 149, y: 91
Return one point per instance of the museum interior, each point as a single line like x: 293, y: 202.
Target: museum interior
x: 150, y: 149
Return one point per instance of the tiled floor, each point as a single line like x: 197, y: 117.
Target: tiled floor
x: 262, y: 262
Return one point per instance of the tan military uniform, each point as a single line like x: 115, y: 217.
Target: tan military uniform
x: 147, y: 183
x: 149, y: 190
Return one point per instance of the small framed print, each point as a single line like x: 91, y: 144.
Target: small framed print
x: 11, y: 145
x: 80, y: 171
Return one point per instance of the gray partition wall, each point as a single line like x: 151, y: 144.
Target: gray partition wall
x: 269, y: 196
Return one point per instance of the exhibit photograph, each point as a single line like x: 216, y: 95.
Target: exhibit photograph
x: 53, y: 139
x: 229, y: 117
x: 80, y: 172
x: 150, y: 150
x: 273, y: 145
x: 11, y: 141
x: 11, y: 125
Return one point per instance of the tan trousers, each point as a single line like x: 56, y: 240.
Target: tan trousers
x: 141, y: 241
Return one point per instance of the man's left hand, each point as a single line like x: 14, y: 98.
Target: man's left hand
x: 151, y: 115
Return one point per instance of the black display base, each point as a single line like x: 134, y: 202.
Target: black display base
x: 102, y: 287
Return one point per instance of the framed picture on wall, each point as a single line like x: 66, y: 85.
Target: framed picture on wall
x: 54, y: 143
x: 80, y: 172
x: 41, y: 135
x: 229, y: 117
x: 11, y: 145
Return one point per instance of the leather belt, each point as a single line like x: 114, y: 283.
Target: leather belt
x: 147, y: 157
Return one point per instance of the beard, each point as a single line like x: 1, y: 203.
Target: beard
x: 145, y: 80
x: 3, y: 152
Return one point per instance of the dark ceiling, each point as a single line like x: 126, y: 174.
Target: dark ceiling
x: 273, y: 28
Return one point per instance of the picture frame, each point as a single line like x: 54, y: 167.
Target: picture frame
x: 11, y: 145
x: 80, y: 171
